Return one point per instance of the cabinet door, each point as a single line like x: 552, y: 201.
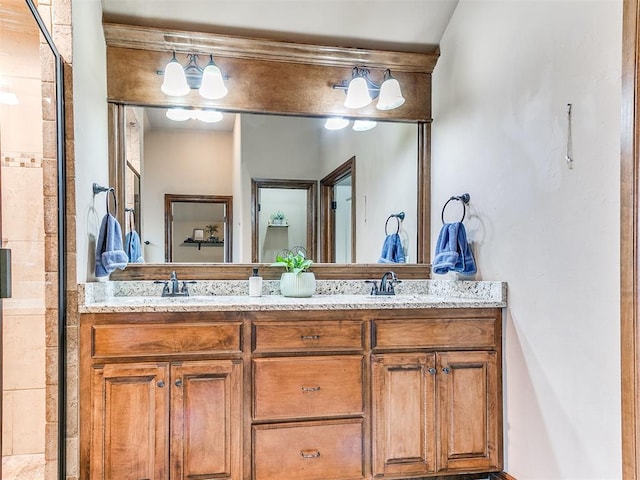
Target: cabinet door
x: 130, y: 419
x: 403, y: 414
x: 469, y: 406
x: 206, y: 415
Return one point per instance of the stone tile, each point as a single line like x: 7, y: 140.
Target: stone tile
x: 49, y: 139
x: 62, y: 12
x: 51, y: 253
x: 23, y: 352
x: 51, y: 394
x: 7, y: 423
x: 47, y: 64
x: 51, y: 328
x: 63, y: 40
x: 72, y: 456
x: 50, y: 176
x: 51, y: 366
x: 28, y: 421
x: 45, y: 13
x: 50, y: 215
x: 48, y: 101
x: 51, y: 442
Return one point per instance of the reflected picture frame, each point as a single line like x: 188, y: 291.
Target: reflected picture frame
x: 198, y: 235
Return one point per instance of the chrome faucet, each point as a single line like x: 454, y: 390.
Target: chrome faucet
x: 172, y: 287
x: 386, y: 287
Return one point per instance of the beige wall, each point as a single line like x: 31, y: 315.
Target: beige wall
x: 181, y: 162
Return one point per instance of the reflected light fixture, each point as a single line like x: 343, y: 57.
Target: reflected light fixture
x: 179, y: 80
x: 183, y: 114
x: 361, y: 90
x: 363, y: 125
x: 336, y: 123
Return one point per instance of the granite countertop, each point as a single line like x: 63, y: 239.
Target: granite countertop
x: 212, y: 295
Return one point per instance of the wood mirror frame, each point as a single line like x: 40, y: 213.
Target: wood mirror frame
x: 135, y: 54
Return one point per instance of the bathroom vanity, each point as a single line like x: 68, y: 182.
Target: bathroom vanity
x: 272, y: 388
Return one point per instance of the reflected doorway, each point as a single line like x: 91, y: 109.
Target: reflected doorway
x: 198, y: 228
x: 283, y: 216
x: 337, y: 205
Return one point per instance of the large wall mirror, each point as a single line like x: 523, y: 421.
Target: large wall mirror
x: 360, y: 178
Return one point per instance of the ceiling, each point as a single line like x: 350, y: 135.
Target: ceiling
x: 403, y: 25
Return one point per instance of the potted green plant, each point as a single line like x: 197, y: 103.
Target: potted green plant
x: 213, y: 228
x: 278, y: 218
x: 296, y: 281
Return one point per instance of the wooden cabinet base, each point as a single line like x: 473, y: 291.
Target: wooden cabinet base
x: 314, y: 395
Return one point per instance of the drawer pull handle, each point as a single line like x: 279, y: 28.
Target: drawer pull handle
x: 310, y: 389
x: 161, y: 383
x: 310, y: 337
x: 309, y: 453
x: 446, y: 370
x: 432, y: 371
x: 179, y: 382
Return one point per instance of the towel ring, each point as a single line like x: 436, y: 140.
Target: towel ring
x: 399, y: 218
x: 464, y: 198
x: 99, y: 189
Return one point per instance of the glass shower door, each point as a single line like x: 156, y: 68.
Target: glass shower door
x: 28, y: 227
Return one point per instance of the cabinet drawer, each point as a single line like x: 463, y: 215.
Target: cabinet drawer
x: 309, y: 451
x: 468, y: 332
x: 307, y: 387
x: 143, y: 340
x: 307, y: 336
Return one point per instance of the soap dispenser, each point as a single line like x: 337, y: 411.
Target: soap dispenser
x: 255, y: 284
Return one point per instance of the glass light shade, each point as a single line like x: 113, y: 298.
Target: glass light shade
x: 208, y: 116
x: 336, y: 123
x: 175, y: 81
x: 212, y: 83
x: 8, y: 98
x: 178, y: 114
x: 357, y: 94
x: 390, y: 95
x: 364, y: 125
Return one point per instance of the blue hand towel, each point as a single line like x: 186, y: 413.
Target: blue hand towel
x: 133, y: 247
x: 453, y: 252
x: 109, y: 252
x: 392, y: 251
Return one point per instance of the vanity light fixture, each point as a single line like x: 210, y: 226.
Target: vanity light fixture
x: 361, y: 90
x: 182, y: 114
x: 179, y: 80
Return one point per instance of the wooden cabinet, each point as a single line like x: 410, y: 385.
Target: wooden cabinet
x: 130, y: 420
x: 437, y: 410
x: 322, y: 395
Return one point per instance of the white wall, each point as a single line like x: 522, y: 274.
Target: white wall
x: 90, y: 128
x: 506, y: 73
x: 386, y: 182
x: 181, y: 162
x: 274, y: 147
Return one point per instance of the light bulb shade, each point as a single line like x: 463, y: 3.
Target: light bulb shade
x: 208, y: 116
x: 357, y: 93
x: 336, y: 123
x: 178, y: 114
x: 364, y: 125
x: 390, y: 95
x: 212, y: 86
x: 175, y: 81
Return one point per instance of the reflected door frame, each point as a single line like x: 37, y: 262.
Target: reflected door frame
x: 170, y: 199
x: 327, y: 211
x: 309, y: 185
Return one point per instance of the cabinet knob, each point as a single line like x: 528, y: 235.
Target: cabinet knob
x: 309, y: 453
x: 161, y: 383
x: 178, y: 382
x: 432, y: 371
x: 446, y: 369
x: 310, y: 389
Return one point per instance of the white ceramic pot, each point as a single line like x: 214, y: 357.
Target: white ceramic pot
x: 301, y: 284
